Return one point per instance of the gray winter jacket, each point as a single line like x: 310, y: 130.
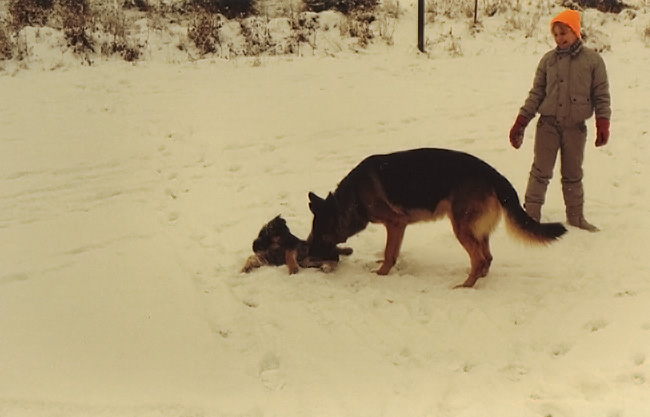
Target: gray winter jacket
x: 569, y: 86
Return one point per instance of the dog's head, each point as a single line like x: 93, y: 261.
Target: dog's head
x: 274, y: 240
x: 325, y: 231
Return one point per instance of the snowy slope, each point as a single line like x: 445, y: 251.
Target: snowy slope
x: 130, y: 196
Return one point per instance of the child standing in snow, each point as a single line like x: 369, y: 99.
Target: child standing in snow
x: 569, y: 86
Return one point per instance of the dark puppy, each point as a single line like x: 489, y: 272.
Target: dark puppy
x: 276, y: 245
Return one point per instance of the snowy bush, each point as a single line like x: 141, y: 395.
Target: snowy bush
x: 595, y: 38
x: 449, y: 9
x: 257, y: 36
x: 303, y: 26
x: 6, y: 43
x: 278, y: 8
x: 302, y: 30
x: 114, y: 28
x: 141, y: 5
x: 30, y: 12
x: 254, y: 27
x: 76, y: 19
x: 204, y: 32
x: 357, y: 25
x: 608, y: 6
x: 527, y: 24
x: 449, y: 43
x: 391, y: 8
x: 343, y: 6
x: 229, y: 8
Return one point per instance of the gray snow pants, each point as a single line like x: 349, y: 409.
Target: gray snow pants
x: 570, y: 141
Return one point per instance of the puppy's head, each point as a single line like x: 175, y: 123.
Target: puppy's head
x: 274, y: 240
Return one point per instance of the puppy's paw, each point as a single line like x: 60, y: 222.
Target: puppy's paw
x: 252, y: 262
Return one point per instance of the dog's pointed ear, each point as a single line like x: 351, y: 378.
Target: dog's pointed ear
x: 315, y: 202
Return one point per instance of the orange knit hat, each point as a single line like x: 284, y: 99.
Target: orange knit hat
x: 571, y: 18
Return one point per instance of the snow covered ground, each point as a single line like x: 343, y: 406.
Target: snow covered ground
x: 130, y: 196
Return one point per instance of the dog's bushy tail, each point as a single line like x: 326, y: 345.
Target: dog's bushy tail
x: 519, y: 222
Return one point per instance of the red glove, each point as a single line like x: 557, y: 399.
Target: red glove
x: 602, y: 131
x: 517, y: 131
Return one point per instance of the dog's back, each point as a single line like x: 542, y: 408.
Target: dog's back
x: 427, y: 183
x: 421, y: 178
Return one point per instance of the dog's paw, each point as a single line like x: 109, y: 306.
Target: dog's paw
x: 325, y: 266
x: 328, y: 266
x: 345, y: 251
x: 464, y: 285
x: 252, y: 262
x: 385, y: 268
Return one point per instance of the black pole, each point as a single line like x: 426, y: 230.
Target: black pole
x: 421, y: 25
x: 475, y: 11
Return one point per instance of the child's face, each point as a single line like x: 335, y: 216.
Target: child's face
x: 564, y: 35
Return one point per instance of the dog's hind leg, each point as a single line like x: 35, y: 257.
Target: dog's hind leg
x: 477, y: 247
x: 394, y: 236
x: 486, y: 253
x: 480, y: 265
x: 473, y: 218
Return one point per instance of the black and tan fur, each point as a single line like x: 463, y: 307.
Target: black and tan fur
x: 276, y: 245
x: 424, y: 185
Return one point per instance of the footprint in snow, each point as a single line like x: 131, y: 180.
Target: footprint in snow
x: 560, y: 350
x: 639, y: 359
x: 270, y: 373
x: 515, y: 372
x: 595, y: 325
x: 250, y: 303
x: 638, y: 378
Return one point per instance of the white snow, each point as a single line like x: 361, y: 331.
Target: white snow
x: 130, y: 196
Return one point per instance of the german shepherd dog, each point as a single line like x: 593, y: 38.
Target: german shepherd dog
x: 276, y: 245
x: 417, y: 185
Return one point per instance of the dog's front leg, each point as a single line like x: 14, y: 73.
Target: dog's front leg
x: 394, y: 236
x: 291, y: 259
x: 252, y: 262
